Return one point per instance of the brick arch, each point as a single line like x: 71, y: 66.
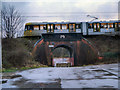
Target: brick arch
x: 79, y: 48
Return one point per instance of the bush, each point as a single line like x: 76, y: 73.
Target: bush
x: 111, y: 54
x: 14, y: 53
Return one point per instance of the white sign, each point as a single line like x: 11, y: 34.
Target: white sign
x: 62, y: 36
x: 60, y: 60
x: 51, y: 45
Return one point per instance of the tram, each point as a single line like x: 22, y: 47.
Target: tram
x: 85, y: 28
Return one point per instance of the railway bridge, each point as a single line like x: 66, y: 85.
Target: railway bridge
x: 81, y: 51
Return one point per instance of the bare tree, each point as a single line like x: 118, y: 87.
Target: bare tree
x: 12, y: 22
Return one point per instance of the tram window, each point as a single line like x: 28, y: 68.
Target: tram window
x: 72, y: 27
x: 64, y: 26
x: 106, y: 26
x: 30, y: 27
x: 42, y: 27
x: 78, y: 26
x: 36, y: 27
x: 116, y: 25
x: 90, y: 26
x: 102, y: 25
x: 94, y: 25
x: 110, y: 25
x: 57, y: 26
x: 98, y: 25
x: 52, y: 26
x: 26, y: 27
x: 119, y: 24
x: 48, y: 27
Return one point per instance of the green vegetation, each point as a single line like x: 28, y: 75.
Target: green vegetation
x: 16, y: 54
x: 9, y: 70
x: 61, y: 53
x: 13, y: 69
x: 108, y: 47
x: 111, y: 54
x: 109, y: 57
x: 105, y: 43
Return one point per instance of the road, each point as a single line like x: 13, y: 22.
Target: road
x: 92, y: 76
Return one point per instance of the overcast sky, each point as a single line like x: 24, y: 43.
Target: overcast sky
x: 66, y: 10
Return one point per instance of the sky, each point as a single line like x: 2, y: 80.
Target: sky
x: 65, y: 10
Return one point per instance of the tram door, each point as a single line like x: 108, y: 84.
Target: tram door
x: 96, y: 27
x: 116, y: 27
x: 50, y: 28
x: 72, y: 28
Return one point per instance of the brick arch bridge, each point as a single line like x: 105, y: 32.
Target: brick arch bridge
x: 81, y: 51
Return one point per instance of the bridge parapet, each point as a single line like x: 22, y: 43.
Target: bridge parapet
x: 62, y: 36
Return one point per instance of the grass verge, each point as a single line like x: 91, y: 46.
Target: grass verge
x: 13, y: 69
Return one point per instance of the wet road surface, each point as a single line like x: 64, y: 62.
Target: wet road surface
x: 93, y: 76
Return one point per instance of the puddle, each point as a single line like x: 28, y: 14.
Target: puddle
x: 98, y: 76
x: 99, y: 70
x: 49, y: 71
x: 107, y: 86
x: 109, y: 74
x: 24, y: 83
x: 4, y: 81
x: 20, y: 81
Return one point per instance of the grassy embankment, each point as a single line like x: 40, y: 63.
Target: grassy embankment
x: 108, y: 47
x: 16, y: 54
